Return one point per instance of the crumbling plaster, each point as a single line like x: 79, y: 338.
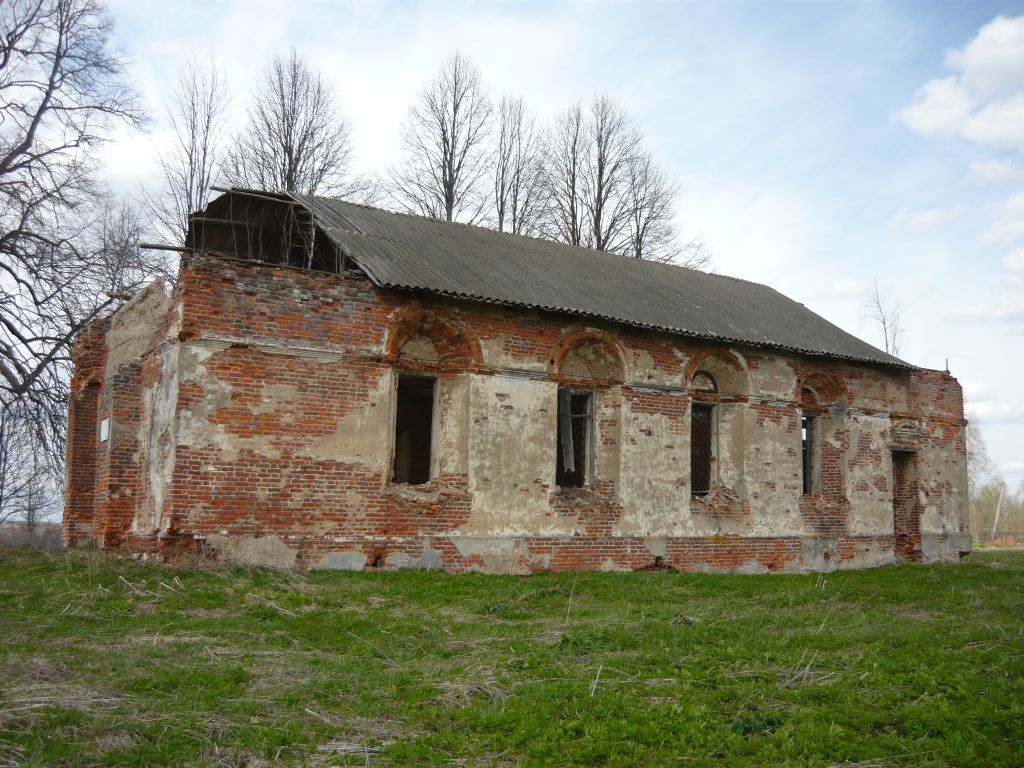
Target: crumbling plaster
x: 269, y: 432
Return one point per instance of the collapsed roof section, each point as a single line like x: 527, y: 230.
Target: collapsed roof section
x: 413, y: 253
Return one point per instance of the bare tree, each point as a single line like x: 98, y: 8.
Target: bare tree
x: 295, y: 138
x: 566, y: 156
x: 444, y: 164
x: 614, y: 146
x: 605, y: 191
x: 61, y: 90
x: 979, y: 466
x: 518, y: 170
x: 17, y: 473
x: 652, y: 233
x: 887, y: 317
x: 188, y: 167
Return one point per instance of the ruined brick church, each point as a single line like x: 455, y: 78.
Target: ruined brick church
x: 329, y: 385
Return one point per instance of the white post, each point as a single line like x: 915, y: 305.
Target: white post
x: 995, y: 522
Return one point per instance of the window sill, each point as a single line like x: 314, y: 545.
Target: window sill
x: 426, y: 490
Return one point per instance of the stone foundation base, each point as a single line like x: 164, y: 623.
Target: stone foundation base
x: 533, y: 554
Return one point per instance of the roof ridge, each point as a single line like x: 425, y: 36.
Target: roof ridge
x: 404, y: 250
x: 536, y: 238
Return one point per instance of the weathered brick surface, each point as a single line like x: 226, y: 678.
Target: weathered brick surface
x: 277, y: 445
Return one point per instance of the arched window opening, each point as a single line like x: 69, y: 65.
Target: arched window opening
x: 702, y: 432
x: 704, y: 382
x: 586, y: 364
x: 810, y: 426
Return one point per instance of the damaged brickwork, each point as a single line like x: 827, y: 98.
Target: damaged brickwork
x: 250, y: 413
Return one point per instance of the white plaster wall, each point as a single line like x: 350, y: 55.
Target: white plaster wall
x: 868, y: 475
x: 942, y: 480
x: 158, y: 436
x: 512, y: 444
x: 654, y: 476
x: 772, y: 475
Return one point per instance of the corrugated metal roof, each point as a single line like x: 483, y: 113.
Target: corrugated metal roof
x: 418, y: 254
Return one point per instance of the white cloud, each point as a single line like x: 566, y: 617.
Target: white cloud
x: 991, y: 63
x: 1012, y: 466
x: 940, y: 108
x: 924, y: 221
x: 1009, y: 310
x: 992, y: 412
x: 994, y: 171
x: 1014, y: 261
x: 984, y: 101
x: 974, y: 389
x: 758, y: 233
x: 848, y: 288
x: 1008, y: 222
x: 999, y: 124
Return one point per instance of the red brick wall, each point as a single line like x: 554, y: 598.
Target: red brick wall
x: 89, y: 356
x: 337, y: 339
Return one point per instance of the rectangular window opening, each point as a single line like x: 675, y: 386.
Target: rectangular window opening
x: 808, y: 450
x: 701, y: 430
x: 414, y: 422
x: 575, y: 432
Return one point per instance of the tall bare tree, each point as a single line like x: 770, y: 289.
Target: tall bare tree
x: 651, y: 202
x: 605, y: 191
x: 518, y: 170
x: 61, y: 91
x: 980, y: 468
x: 188, y: 167
x: 295, y: 138
x: 566, y: 157
x: 614, y: 146
x: 652, y: 231
x: 445, y: 161
x: 886, y: 316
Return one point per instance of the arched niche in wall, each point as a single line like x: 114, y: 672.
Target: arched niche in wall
x: 419, y: 340
x: 589, y: 368
x: 588, y: 356
x: 718, y: 383
x: 821, y: 390
x: 426, y: 348
x: 724, y: 367
x: 822, y: 399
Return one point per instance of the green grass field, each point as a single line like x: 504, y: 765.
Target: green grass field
x: 108, y: 661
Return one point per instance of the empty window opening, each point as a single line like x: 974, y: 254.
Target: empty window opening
x: 701, y: 429
x: 575, y: 432
x: 414, y: 419
x: 808, y: 450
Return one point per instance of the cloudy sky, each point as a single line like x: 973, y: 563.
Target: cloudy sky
x: 821, y: 146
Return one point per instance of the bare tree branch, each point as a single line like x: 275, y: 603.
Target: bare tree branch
x: 886, y: 316
x: 980, y: 469
x: 445, y: 160
x: 295, y: 139
x: 61, y: 91
x: 189, y: 166
x: 567, y: 148
x: 518, y: 170
x: 604, y: 191
x: 614, y: 144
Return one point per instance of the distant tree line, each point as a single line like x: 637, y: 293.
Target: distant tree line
x: 996, y: 511
x: 585, y: 178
